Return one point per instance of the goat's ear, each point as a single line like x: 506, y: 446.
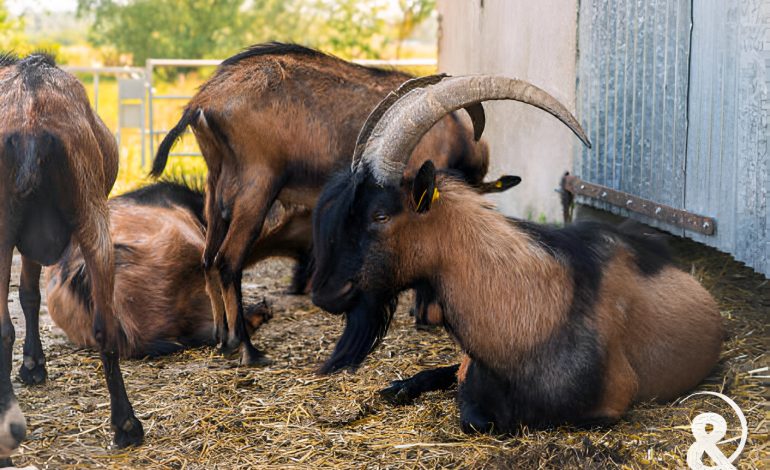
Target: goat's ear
x: 506, y: 182
x: 424, y: 190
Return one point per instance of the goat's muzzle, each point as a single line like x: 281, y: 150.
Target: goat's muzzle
x: 335, y: 301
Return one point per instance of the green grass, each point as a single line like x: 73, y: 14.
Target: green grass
x: 132, y: 174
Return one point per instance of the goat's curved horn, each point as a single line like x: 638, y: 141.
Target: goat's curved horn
x: 387, y: 144
x: 475, y: 111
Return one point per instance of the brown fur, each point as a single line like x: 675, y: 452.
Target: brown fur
x: 661, y: 333
x: 160, y: 295
x: 273, y: 127
x: 160, y: 287
x: 61, y: 184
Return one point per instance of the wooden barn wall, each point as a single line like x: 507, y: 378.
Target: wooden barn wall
x: 675, y: 95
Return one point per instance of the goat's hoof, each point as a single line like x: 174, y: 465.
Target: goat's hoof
x: 295, y: 290
x: 254, y: 358
x: 130, y: 433
x: 398, y: 393
x: 34, y: 376
x: 230, y: 346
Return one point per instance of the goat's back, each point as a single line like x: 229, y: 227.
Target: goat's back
x: 299, y: 108
x: 667, y: 323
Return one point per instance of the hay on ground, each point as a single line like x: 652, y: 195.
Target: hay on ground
x: 203, y: 411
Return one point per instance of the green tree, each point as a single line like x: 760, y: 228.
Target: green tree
x: 413, y: 13
x: 191, y: 29
x: 218, y: 28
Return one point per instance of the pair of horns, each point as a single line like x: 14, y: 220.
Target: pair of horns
x: 393, y: 129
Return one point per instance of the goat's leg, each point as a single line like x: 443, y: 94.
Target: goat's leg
x: 402, y: 392
x: 426, y: 310
x: 96, y: 245
x: 621, y: 385
x: 32, y: 370
x: 13, y: 427
x: 300, y: 279
x: 248, y: 217
x: 215, y: 234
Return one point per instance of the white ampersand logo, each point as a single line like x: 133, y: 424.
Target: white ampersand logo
x: 706, y: 441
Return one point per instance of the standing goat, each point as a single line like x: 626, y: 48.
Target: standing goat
x: 161, y: 304
x: 558, y: 325
x: 58, y: 162
x: 273, y: 123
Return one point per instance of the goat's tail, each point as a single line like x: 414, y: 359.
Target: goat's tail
x: 27, y: 154
x: 159, y: 164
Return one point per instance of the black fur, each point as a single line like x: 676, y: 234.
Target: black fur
x: 34, y: 69
x: 402, y: 392
x: 471, y: 174
x: 8, y: 58
x: 555, y: 384
x: 160, y: 347
x: 335, y: 221
x: 170, y: 193
x: 586, y: 247
x: 271, y: 48
x: 365, y: 326
x: 80, y: 285
x: 280, y: 48
x: 329, y: 227
x: 159, y: 164
x: 39, y: 175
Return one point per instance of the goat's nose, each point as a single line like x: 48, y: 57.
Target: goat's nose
x: 18, y: 431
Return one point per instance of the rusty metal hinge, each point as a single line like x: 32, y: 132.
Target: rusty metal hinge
x: 670, y: 215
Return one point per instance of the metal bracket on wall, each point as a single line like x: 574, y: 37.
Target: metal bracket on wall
x: 670, y: 215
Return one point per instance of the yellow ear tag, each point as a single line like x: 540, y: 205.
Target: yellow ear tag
x: 499, y: 184
x: 435, y: 195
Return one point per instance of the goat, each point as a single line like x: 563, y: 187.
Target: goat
x: 161, y: 304
x: 566, y: 325
x: 273, y: 123
x: 58, y: 162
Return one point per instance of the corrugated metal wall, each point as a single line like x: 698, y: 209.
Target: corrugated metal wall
x: 676, y: 97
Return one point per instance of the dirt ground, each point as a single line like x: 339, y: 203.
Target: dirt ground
x: 201, y: 410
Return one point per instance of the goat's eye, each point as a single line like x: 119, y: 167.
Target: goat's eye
x: 380, y: 217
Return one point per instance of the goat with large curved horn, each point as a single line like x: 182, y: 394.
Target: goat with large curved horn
x: 543, y: 314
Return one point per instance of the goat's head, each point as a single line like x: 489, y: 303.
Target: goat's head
x: 369, y: 222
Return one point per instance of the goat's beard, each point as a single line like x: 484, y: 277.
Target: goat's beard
x: 365, y: 326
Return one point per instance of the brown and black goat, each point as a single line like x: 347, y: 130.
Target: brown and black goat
x: 273, y: 123
x: 558, y: 325
x: 161, y: 305
x: 58, y: 162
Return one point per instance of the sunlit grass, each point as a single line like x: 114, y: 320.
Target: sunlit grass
x: 133, y: 172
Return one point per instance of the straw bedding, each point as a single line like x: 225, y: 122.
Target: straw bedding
x: 201, y: 410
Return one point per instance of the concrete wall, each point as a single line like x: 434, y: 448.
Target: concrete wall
x: 531, y: 40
